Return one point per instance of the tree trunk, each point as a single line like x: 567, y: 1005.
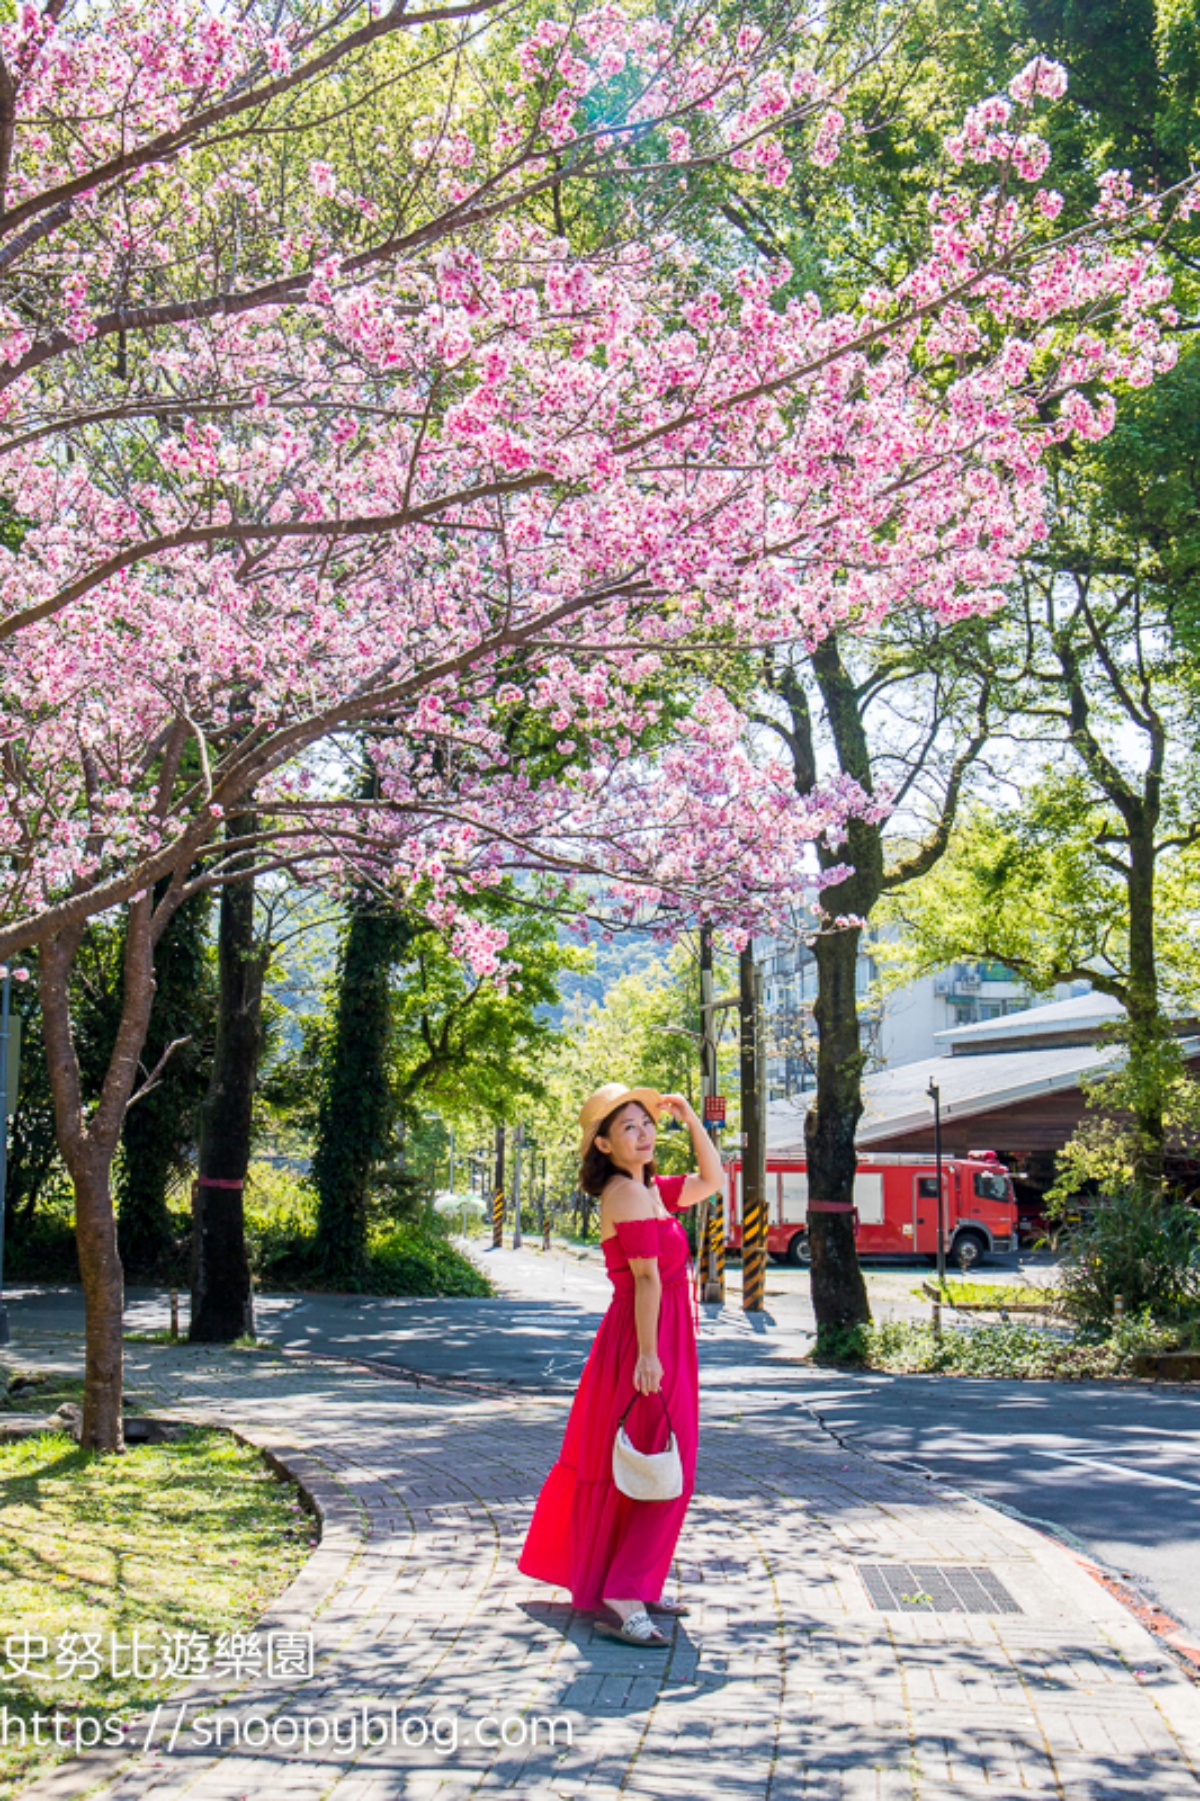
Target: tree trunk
x: 104, y: 1301
x: 88, y: 1147
x: 838, y: 1290
x: 222, y: 1299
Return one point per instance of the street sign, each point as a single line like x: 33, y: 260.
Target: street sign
x: 714, y: 1109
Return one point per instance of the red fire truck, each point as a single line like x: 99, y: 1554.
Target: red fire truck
x: 895, y: 1201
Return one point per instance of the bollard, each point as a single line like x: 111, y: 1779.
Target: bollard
x: 1118, y: 1309
x: 937, y: 1319
x: 546, y: 1234
x: 174, y: 1314
x: 498, y: 1219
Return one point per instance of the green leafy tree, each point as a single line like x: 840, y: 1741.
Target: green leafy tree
x: 415, y: 1033
x: 1045, y: 891
x: 644, y: 1032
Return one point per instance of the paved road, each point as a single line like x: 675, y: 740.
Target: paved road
x: 1116, y: 1467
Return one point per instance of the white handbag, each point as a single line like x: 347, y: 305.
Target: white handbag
x: 647, y: 1475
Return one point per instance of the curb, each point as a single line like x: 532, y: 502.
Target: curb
x: 1154, y: 1618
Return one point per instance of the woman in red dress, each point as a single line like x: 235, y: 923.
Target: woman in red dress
x: 585, y: 1535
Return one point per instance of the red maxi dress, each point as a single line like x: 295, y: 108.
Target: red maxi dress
x: 585, y: 1535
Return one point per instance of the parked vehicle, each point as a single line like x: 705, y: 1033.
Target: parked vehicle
x: 895, y: 1201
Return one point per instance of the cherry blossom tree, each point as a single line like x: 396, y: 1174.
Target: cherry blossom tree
x: 467, y: 491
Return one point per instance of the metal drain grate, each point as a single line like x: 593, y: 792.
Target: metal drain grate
x: 934, y: 1588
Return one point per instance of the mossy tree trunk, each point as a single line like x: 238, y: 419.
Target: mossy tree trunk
x: 356, y: 1112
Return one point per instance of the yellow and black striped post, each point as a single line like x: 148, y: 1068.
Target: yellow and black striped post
x: 714, y: 1287
x: 754, y: 1255
x: 754, y: 1140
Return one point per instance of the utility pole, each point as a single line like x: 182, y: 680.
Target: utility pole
x: 754, y: 1135
x: 935, y: 1095
x: 710, y: 1226
x: 518, y: 1141
x: 498, y: 1193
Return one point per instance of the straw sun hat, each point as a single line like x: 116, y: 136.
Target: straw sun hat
x: 606, y: 1100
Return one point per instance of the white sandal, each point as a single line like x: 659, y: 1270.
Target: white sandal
x: 637, y: 1629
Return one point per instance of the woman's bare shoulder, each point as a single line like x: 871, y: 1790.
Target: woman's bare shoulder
x: 626, y: 1199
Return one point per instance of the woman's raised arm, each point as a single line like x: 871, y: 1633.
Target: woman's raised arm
x: 710, y: 1176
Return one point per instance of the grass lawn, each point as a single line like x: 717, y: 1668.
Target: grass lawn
x: 1011, y: 1296
x: 196, y: 1537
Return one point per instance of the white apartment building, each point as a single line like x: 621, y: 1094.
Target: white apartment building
x: 901, y: 1028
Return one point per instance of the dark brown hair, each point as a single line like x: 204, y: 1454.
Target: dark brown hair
x: 598, y: 1168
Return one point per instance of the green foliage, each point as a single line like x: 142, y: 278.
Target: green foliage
x: 1106, y: 1151
x: 280, y: 1221
x: 413, y: 1257
x: 1038, y: 892
x: 356, y: 1112
x: 470, y: 1045
x: 417, y: 1259
x: 43, y: 1248
x: 1139, y: 1247
x: 197, y: 1536
x: 1024, y: 890
x: 418, y: 1044
x: 1015, y: 1352
x: 160, y: 1132
x: 1147, y: 487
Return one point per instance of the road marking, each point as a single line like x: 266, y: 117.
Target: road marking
x: 1119, y: 1469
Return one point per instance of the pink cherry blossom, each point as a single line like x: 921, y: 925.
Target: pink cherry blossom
x: 487, y: 497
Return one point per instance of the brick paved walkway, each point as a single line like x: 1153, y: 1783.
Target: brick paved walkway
x: 784, y: 1682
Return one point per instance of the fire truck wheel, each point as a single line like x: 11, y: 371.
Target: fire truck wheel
x: 968, y: 1249
x: 798, y: 1253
